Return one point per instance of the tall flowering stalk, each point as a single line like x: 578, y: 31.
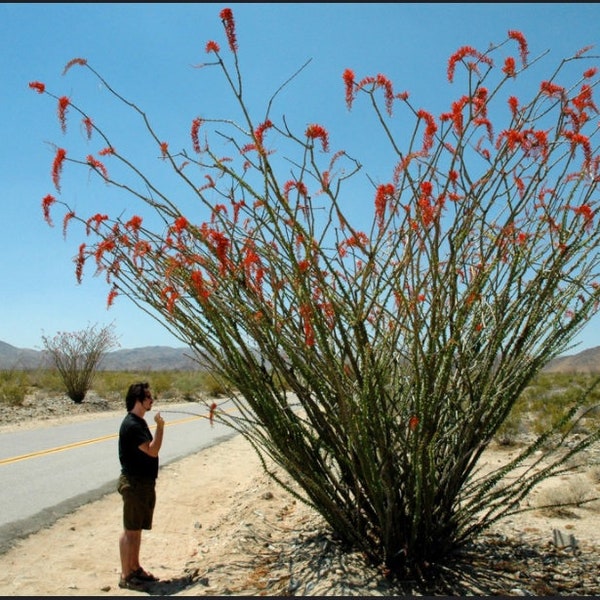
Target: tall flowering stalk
x: 373, y: 359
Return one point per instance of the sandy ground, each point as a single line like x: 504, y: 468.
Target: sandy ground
x: 207, y: 503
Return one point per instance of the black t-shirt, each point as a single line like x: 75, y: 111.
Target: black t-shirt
x: 133, y: 432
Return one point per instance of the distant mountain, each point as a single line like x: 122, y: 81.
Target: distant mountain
x: 19, y: 358
x: 149, y: 358
x: 587, y: 361
x: 165, y: 358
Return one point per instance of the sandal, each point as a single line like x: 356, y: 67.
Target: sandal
x: 132, y: 582
x: 143, y: 575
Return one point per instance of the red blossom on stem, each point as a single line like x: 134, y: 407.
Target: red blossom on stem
x: 425, y: 204
x: 140, y: 249
x: 533, y: 143
x: 68, y: 216
x: 309, y: 333
x: 386, y: 84
x: 380, y: 81
x: 63, y: 105
x: 585, y: 211
x: 298, y: 185
x: 384, y: 193
x: 180, y: 224
x: 111, y: 297
x: 79, y: 263
x: 210, y: 184
x: 47, y: 202
x: 481, y: 122
x: 212, y: 47
x: 107, y: 245
x: 96, y: 164
x: 358, y: 240
x: 348, y: 77
x: 523, y: 48
x: 237, y: 206
x: 317, y: 131
x: 196, y: 123
x: 460, y: 54
x: 584, y: 100
x: 513, y: 103
x: 211, y: 413
x: 260, y: 130
x: 57, y: 165
x: 170, y: 294
x: 74, y: 61
x: 509, y: 67
x: 221, y: 245
x: 430, y: 130
x: 578, y: 139
x: 552, y: 90
x: 583, y: 51
x: 94, y: 222
x: 227, y: 17
x: 456, y: 115
x: 134, y: 224
x: 38, y: 86
x: 164, y: 149
x: 199, y: 285
x: 88, y: 126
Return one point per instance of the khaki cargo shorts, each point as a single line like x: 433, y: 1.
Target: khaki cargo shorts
x: 139, y: 499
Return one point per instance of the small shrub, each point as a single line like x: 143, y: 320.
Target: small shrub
x: 13, y: 387
x: 77, y: 356
x: 594, y: 473
x: 556, y: 501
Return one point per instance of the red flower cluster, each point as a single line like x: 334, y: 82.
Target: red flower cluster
x: 57, y: 166
x: 227, y: 16
x: 317, y: 131
x: 74, y: 61
x: 39, y: 87
x: 63, y: 104
x: 461, y: 54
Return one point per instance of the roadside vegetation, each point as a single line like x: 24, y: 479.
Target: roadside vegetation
x: 541, y: 404
x: 546, y: 401
x: 15, y: 385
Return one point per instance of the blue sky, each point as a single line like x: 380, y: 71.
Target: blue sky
x: 148, y: 52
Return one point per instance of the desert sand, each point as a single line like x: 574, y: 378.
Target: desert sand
x: 217, y: 513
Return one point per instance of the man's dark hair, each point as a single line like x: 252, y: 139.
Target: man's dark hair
x: 136, y: 393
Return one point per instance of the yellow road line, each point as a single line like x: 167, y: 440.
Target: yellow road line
x: 14, y: 459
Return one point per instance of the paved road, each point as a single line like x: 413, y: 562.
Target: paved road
x: 47, y: 472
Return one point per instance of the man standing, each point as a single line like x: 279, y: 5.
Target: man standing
x: 138, y: 455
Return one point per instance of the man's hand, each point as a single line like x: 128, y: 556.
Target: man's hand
x: 160, y: 422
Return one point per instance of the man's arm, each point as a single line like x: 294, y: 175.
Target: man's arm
x: 153, y: 448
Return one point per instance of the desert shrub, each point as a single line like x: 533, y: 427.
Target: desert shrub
x: 167, y: 384
x: 546, y: 400
x: 559, y: 499
x: 406, y: 333
x: 46, y: 379
x: 594, y: 473
x: 77, y: 355
x: 512, y: 427
x: 13, y: 387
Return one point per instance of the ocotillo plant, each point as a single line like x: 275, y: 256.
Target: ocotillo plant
x: 373, y: 360
x: 76, y: 355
